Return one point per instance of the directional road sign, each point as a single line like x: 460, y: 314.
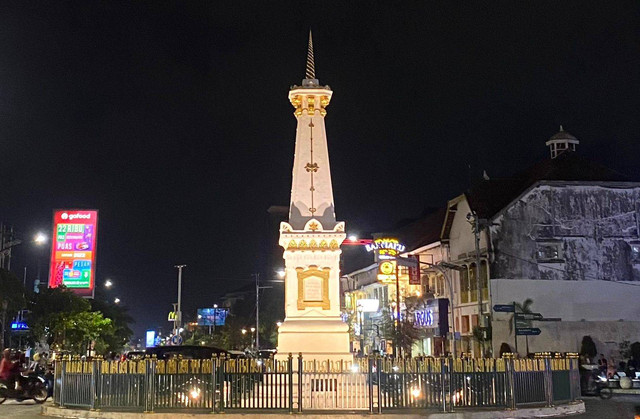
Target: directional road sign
x: 527, y: 331
x: 550, y: 319
x: 504, y: 308
x: 528, y: 316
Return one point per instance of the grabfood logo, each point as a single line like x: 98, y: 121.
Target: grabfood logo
x: 74, y: 216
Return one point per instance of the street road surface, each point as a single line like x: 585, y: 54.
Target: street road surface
x: 25, y: 410
x: 621, y: 406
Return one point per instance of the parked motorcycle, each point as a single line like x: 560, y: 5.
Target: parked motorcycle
x: 33, y: 387
x: 598, y: 385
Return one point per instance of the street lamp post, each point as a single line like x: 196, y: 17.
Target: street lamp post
x: 179, y: 313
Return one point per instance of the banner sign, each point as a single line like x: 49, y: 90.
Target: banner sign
x: 414, y: 272
x: 73, y: 250
x: 212, y: 316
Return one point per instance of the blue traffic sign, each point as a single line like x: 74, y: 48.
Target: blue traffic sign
x: 176, y: 340
x: 527, y: 331
x: 504, y: 308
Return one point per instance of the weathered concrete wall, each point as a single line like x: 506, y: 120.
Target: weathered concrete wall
x: 567, y: 336
x: 607, y: 311
x: 593, y: 224
x: 571, y: 300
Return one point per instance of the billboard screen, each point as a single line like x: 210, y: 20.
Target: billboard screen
x: 73, y: 250
x: 209, y: 316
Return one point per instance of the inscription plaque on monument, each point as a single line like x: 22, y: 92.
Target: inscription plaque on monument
x: 313, y: 289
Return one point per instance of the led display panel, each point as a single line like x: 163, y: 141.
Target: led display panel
x: 73, y: 250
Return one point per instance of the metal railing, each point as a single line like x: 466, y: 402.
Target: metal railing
x: 370, y: 384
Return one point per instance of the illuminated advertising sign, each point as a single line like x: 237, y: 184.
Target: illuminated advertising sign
x: 434, y: 314
x: 150, y: 340
x: 387, y: 271
x: 73, y: 250
x: 386, y: 248
x: 368, y: 305
x: 211, y: 316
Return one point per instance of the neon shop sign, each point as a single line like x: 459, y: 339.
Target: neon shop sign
x: 386, y: 248
x: 423, y: 318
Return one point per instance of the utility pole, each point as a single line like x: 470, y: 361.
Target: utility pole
x: 179, y: 313
x: 476, y: 232
x: 257, y: 311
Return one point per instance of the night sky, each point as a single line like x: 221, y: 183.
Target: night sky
x: 173, y: 120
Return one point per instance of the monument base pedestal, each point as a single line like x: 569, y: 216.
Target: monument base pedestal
x: 319, y: 340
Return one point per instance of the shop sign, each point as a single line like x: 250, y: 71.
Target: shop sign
x: 368, y: 305
x: 434, y: 314
x: 172, y: 317
x: 414, y: 272
x: 386, y: 248
x: 387, y: 271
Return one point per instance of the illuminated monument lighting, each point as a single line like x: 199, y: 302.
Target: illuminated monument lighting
x: 312, y: 236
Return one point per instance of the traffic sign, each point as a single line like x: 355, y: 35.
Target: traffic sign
x: 504, y: 308
x: 528, y: 331
x: 550, y: 319
x: 176, y: 340
x: 528, y: 316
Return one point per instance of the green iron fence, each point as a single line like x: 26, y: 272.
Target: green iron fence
x: 293, y: 384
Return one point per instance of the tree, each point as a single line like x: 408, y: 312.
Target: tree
x: 50, y: 311
x: 86, y: 328
x: 588, y: 347
x: 11, y: 299
x: 525, y: 308
x: 120, y: 320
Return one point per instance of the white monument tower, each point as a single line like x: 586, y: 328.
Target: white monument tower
x: 312, y: 237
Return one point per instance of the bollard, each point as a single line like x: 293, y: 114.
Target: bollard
x: 443, y: 392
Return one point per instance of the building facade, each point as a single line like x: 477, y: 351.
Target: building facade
x: 564, y: 234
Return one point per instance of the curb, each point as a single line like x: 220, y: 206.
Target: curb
x: 536, y: 412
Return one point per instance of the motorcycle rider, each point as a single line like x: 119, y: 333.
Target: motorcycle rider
x: 8, y: 369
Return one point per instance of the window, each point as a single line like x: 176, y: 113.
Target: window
x: 474, y: 320
x: 484, y: 282
x: 549, y: 252
x: 473, y: 283
x: 465, y: 324
x: 464, y: 285
x: 635, y: 253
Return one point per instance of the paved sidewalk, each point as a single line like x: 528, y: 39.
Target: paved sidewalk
x: 535, y: 412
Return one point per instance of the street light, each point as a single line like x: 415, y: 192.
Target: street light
x: 278, y: 324
x: 281, y: 273
x: 40, y: 238
x: 116, y: 300
x: 353, y: 238
x: 108, y: 283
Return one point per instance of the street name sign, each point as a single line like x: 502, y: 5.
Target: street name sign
x: 527, y: 331
x: 550, y: 319
x: 528, y: 316
x: 504, y: 308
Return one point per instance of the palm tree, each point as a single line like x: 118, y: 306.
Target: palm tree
x: 525, y: 308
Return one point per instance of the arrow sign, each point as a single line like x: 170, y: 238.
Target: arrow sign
x: 550, y: 319
x: 528, y: 331
x: 528, y: 316
x: 503, y: 308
